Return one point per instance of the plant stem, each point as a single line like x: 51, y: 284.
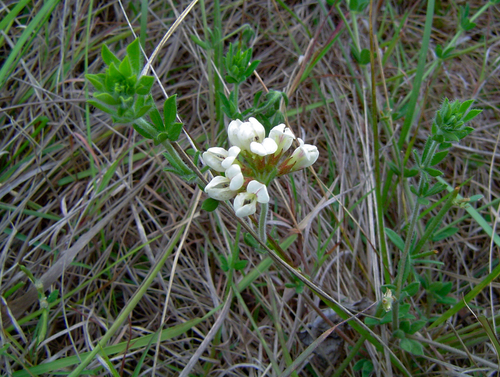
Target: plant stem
x: 264, y: 209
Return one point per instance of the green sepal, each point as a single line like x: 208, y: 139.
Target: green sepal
x: 210, y: 205
x: 108, y: 56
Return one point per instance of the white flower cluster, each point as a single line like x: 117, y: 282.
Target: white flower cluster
x: 253, y: 162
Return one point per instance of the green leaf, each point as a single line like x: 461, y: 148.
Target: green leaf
x: 447, y: 300
x: 436, y: 189
x: 157, y: 121
x: 101, y: 107
x: 204, y: 45
x: 145, y: 129
x: 464, y: 106
x: 369, y: 321
x: 442, y: 234
x: 248, y: 72
x: 438, y: 157
x: 433, y: 172
x: 364, y: 56
x: 174, y: 131
x: 142, y: 111
x: 144, y: 85
x: 107, y: 99
x: 423, y: 202
x: 170, y: 110
x: 395, y: 238
x: 475, y: 198
x: 162, y: 136
x: 408, y: 173
x: 471, y: 115
x: 394, y: 168
x: 404, y: 326
x: 224, y: 265
x: 125, y: 68
x: 412, y: 288
x: 135, y: 56
x: 210, y: 205
x: 417, y: 325
x: 96, y: 80
x: 240, y: 265
x: 399, y: 334
x: 412, y: 346
x: 108, y: 56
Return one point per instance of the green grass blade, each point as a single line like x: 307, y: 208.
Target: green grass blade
x: 30, y: 31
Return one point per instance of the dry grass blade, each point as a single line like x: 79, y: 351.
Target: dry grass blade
x: 88, y: 209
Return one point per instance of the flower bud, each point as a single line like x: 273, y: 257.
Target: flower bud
x: 283, y: 137
x: 218, y: 188
x: 304, y: 156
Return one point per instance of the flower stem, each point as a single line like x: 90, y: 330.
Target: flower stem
x: 264, y: 209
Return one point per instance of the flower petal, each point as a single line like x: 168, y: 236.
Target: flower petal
x: 218, y: 188
x: 245, y: 204
x: 214, y: 157
x: 259, y: 189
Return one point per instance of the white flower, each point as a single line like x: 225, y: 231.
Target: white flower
x: 214, y: 157
x: 245, y: 202
x: 268, y: 146
x: 236, y: 177
x: 219, y: 188
x: 283, y: 137
x: 243, y: 134
x: 233, y: 130
x: 232, y: 153
x: 304, y: 156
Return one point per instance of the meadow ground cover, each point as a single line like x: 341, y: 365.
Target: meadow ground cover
x: 249, y: 188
